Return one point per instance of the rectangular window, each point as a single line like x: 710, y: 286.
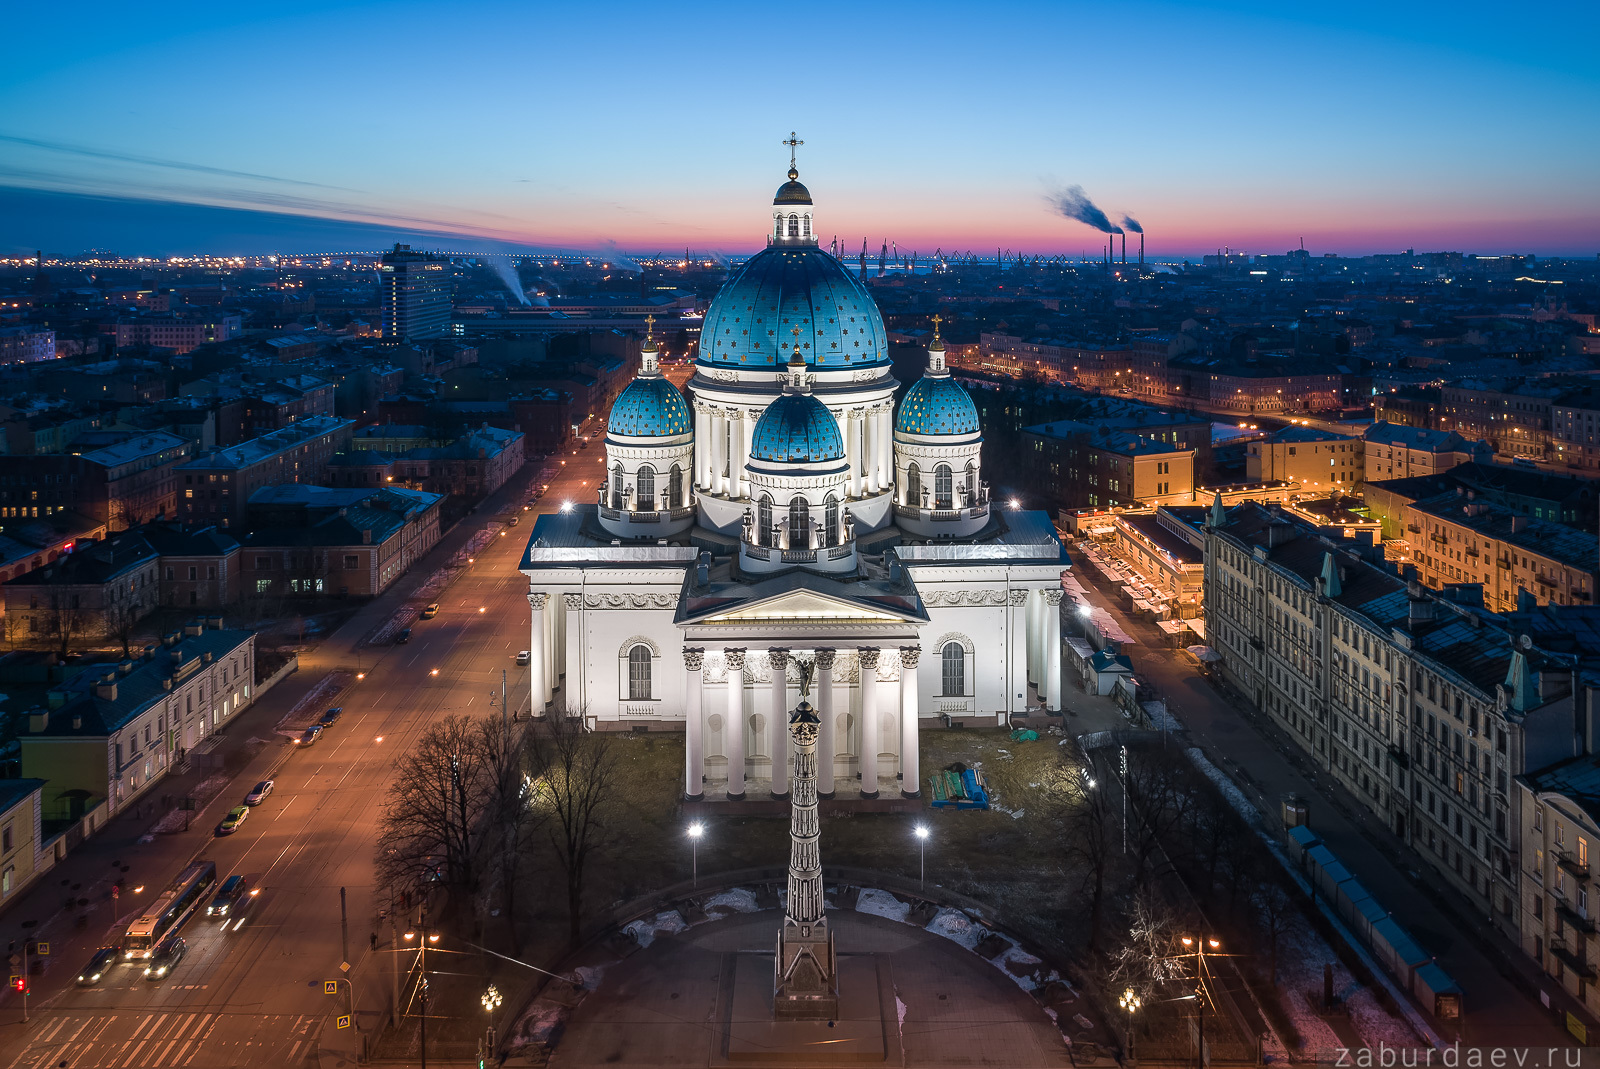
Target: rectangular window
x: 5, y: 840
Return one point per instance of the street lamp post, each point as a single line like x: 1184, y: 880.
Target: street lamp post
x: 491, y: 1001
x: 422, y: 982
x: 696, y: 830
x: 1200, y: 946
x: 922, y: 841
x: 1130, y: 1004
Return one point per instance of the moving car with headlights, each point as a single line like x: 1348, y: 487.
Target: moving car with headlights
x: 524, y: 657
x: 170, y: 951
x: 330, y: 716
x: 309, y: 736
x: 431, y: 611
x: 236, y: 816
x: 98, y: 966
x: 233, y: 899
x: 259, y: 793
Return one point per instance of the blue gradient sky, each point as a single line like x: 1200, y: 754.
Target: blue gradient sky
x: 1359, y: 126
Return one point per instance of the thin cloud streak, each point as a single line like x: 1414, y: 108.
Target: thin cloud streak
x: 151, y: 161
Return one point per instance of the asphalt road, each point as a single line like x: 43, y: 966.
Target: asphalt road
x: 251, y: 994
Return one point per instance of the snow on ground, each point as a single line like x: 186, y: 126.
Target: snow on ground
x: 1023, y: 967
x: 204, y: 792
x: 882, y: 904
x: 591, y: 975
x: 736, y: 900
x: 645, y: 929
x: 308, y: 709
x: 957, y: 927
x: 1301, y: 957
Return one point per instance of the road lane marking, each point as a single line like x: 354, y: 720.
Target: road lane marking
x: 178, y: 1058
x: 293, y: 1049
x: 162, y: 1057
x: 153, y: 1022
x: 50, y: 1034
x: 84, y: 1053
x: 177, y: 1033
x: 135, y: 1053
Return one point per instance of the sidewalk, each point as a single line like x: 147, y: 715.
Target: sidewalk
x: 1500, y: 985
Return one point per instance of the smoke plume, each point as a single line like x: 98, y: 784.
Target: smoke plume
x: 1073, y: 203
x: 508, y: 274
x: 1132, y: 224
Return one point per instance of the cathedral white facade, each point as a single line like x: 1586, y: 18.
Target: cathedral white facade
x: 792, y: 513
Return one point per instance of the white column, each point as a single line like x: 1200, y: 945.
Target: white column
x: 869, y: 720
x: 886, y: 446
x: 552, y: 650
x: 1052, y: 644
x: 851, y: 456
x: 1017, y: 625
x: 694, y: 748
x: 910, y: 766
x: 572, y: 690
x: 536, y: 652
x: 778, y: 725
x: 1032, y: 626
x: 869, y: 432
x: 702, y: 446
x: 826, y: 747
x: 733, y: 729
x: 747, y: 434
x: 719, y: 450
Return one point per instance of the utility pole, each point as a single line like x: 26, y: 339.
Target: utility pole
x: 344, y: 929
x: 394, y: 959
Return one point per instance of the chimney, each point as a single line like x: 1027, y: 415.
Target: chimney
x: 177, y: 656
x: 38, y: 720
x: 55, y: 699
x: 193, y: 628
x: 214, y: 622
x: 703, y: 567
x: 77, y: 723
x: 107, y: 687
x: 1419, y: 611
x: 1279, y: 532
x: 1141, y: 248
x: 171, y: 638
x: 149, y: 653
x: 1519, y: 523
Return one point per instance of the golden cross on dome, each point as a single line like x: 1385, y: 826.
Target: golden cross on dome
x: 649, y: 326
x: 792, y: 143
x: 937, y: 319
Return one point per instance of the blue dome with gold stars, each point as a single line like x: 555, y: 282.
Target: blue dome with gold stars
x: 797, y: 427
x: 937, y: 405
x: 650, y: 408
x: 752, y: 322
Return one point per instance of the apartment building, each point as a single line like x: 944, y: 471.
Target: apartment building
x: 345, y: 542
x: 1307, y: 458
x: 1459, y: 539
x: 1560, y: 818
x: 216, y: 488
x: 1086, y: 465
x: 1424, y: 706
x: 1397, y: 452
x: 1511, y: 415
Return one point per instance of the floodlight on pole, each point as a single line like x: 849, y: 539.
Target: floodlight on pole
x: 922, y: 841
x: 696, y: 830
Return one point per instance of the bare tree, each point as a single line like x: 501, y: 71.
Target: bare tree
x: 1159, y: 799
x: 1274, y: 912
x: 508, y: 765
x: 577, y: 771
x: 435, y: 815
x: 1088, y: 830
x: 68, y: 620
x: 1144, y: 958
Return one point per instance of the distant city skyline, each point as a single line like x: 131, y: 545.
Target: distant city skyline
x: 306, y: 126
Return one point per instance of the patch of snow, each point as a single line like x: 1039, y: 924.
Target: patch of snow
x: 735, y: 900
x: 591, y: 975
x: 900, y: 1014
x: 670, y: 923
x: 957, y: 927
x: 882, y: 904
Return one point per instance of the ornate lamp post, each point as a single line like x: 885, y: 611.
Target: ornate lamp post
x: 491, y: 1001
x: 1130, y: 1004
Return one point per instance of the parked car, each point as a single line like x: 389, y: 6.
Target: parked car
x: 98, y: 966
x: 431, y: 611
x: 234, y: 898
x: 309, y: 736
x: 258, y: 794
x: 524, y: 657
x: 403, y: 637
x: 513, y: 521
x: 168, y: 953
x: 331, y: 715
x: 236, y: 816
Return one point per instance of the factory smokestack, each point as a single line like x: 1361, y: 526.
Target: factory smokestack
x: 1124, y: 246
x: 1141, y: 248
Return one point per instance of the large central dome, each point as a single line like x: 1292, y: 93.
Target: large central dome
x: 752, y: 321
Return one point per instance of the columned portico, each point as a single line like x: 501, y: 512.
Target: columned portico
x: 1052, y: 648
x: 694, y: 725
x: 868, y: 656
x: 910, y: 767
x: 538, y: 653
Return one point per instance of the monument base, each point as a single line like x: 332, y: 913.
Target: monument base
x: 862, y: 1033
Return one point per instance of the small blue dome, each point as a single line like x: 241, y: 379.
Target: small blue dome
x: 797, y: 427
x: 650, y: 408
x: 938, y: 405
x: 751, y: 322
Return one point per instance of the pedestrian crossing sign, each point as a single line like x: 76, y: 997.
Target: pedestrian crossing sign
x: 44, y: 950
x: 330, y: 987
x: 344, y: 1020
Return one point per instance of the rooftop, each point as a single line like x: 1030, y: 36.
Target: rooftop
x: 151, y: 446
x: 1103, y: 435
x: 256, y: 450
x: 93, y: 564
x: 1553, y: 541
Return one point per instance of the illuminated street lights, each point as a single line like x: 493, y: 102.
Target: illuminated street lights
x: 1199, y: 946
x: 491, y: 1001
x: 1130, y: 1004
x: 696, y: 830
x: 922, y: 841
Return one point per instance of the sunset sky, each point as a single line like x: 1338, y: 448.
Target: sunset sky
x: 1360, y: 127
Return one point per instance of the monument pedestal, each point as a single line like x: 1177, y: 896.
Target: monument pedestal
x: 806, y: 977
x: 863, y: 1032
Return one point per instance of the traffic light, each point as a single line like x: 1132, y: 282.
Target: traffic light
x: 19, y: 983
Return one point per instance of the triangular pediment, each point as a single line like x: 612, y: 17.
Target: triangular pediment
x: 799, y: 606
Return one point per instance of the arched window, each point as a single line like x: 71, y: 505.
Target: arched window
x: 953, y: 664
x: 943, y: 490
x: 639, y: 673
x: 830, y: 517
x: 675, y: 488
x: 764, y: 521
x: 794, y: 226
x: 799, y: 524
x: 645, y: 492
x: 618, y: 496
x: 914, y: 485
x: 971, y: 484
x: 807, y: 224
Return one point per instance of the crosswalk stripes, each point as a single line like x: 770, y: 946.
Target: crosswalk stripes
x: 167, y: 1041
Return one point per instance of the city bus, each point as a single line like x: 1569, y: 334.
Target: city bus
x: 169, y: 911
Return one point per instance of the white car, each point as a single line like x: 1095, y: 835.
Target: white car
x: 524, y: 657
x: 259, y: 795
